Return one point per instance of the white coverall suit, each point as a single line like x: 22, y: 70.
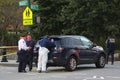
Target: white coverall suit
x: 42, y: 58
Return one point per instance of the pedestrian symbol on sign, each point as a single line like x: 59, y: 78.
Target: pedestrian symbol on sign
x: 27, y: 14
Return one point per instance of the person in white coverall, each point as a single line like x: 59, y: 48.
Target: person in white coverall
x: 42, y: 59
x: 45, y: 44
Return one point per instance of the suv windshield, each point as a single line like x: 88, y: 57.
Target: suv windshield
x: 86, y: 42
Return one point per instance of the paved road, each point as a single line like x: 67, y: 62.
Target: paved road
x: 84, y: 72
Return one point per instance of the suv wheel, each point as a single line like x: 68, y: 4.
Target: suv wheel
x: 101, y: 62
x: 71, y: 64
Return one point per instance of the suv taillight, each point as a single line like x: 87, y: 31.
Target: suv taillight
x: 58, y: 49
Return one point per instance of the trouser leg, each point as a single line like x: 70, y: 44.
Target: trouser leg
x: 30, y: 60
x: 20, y: 67
x: 23, y: 65
x: 112, y: 56
x: 39, y: 66
x: 30, y: 65
x: 44, y: 61
x: 107, y: 58
x: 24, y: 62
x: 108, y: 53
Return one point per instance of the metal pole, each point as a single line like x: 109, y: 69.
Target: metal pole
x: 29, y: 27
x: 29, y: 3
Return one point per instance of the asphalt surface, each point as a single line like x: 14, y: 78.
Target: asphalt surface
x: 8, y: 71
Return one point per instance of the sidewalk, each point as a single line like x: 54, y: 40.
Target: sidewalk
x: 10, y: 63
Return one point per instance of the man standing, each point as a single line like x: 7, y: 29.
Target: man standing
x: 43, y: 53
x: 110, y: 44
x: 22, y: 47
x: 30, y: 43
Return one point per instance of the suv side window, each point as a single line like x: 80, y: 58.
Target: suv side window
x: 76, y: 42
x: 66, y: 42
x: 71, y: 42
x: 86, y: 42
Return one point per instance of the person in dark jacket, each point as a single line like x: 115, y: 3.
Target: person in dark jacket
x: 30, y: 43
x: 110, y: 45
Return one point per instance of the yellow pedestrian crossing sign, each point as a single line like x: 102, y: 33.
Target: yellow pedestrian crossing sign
x: 27, y: 16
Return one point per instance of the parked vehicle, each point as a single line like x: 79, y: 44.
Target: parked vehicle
x: 71, y: 51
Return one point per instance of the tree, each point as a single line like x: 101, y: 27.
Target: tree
x: 95, y: 19
x: 8, y: 17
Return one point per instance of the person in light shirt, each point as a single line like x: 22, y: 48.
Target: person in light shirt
x: 22, y: 52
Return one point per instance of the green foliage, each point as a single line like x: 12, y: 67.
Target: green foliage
x: 8, y: 17
x: 95, y: 19
x: 7, y: 2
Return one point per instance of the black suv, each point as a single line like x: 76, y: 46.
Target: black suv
x: 71, y: 51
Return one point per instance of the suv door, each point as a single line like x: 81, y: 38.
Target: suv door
x: 87, y: 54
x: 77, y: 44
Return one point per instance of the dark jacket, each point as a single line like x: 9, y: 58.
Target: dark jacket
x: 45, y: 42
x: 110, y: 43
x: 30, y: 43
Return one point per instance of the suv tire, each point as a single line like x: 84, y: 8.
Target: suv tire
x: 71, y: 64
x: 101, y: 61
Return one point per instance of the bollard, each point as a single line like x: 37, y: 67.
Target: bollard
x: 4, y: 57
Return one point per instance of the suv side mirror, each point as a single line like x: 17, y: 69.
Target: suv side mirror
x: 94, y: 45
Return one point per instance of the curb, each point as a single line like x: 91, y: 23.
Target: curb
x: 8, y: 64
x: 11, y: 63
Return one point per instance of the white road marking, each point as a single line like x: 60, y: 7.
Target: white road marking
x: 95, y: 78
x: 113, y: 77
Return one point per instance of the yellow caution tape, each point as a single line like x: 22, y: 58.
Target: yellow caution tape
x: 7, y: 54
x: 1, y: 47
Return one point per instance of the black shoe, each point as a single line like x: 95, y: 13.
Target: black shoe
x: 112, y: 63
x: 30, y: 70
x: 39, y: 71
x: 17, y: 61
x: 44, y: 72
x: 24, y: 71
x: 19, y: 71
x: 106, y: 62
